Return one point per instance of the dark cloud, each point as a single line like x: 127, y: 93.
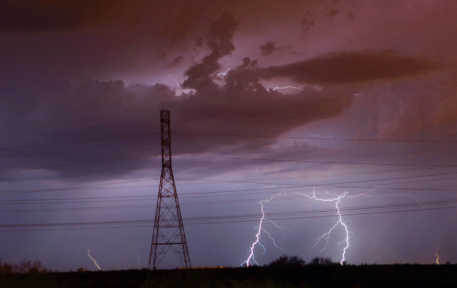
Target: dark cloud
x: 219, y: 41
x: 268, y: 48
x: 333, y: 12
x: 307, y: 21
x: 243, y: 106
x: 117, y: 39
x: 351, y: 67
x: 99, y: 39
x: 176, y: 16
x: 176, y: 61
x: 101, y: 129
x: 41, y: 15
x: 93, y: 128
x: 105, y: 128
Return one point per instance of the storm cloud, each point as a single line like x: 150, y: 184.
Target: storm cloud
x: 107, y: 128
x: 351, y: 67
x: 43, y: 15
x: 268, y: 48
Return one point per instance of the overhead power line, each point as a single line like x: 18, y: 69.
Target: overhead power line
x: 295, y: 215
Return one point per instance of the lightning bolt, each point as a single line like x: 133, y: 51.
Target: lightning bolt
x: 179, y: 90
x: 251, y: 257
x: 437, y: 257
x: 326, y: 236
x: 278, y: 88
x: 272, y: 239
x: 250, y: 260
x: 93, y: 260
x: 223, y: 74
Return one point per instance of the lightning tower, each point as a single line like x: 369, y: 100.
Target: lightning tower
x: 168, y: 236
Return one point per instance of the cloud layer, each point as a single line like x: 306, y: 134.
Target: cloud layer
x: 105, y: 128
x: 351, y: 67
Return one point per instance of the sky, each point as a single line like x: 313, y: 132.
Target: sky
x: 334, y: 97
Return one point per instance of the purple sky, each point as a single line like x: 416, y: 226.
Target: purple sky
x: 265, y: 97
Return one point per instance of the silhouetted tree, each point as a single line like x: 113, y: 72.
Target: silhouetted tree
x: 5, y: 268
x: 322, y: 261
x: 23, y: 267
x: 287, y: 262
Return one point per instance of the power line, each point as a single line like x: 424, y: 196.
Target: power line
x: 301, y: 185
x: 222, y: 202
x: 237, y: 134
x: 229, y: 219
x: 124, y: 198
x: 247, y: 191
x: 279, y: 160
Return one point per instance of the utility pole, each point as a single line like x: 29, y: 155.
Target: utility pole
x: 168, y: 236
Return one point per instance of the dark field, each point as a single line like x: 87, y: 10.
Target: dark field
x: 310, y: 276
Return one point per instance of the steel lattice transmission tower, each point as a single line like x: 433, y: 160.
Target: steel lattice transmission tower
x: 168, y: 236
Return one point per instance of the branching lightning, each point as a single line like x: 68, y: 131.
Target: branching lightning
x: 250, y: 260
x: 251, y: 257
x: 272, y: 239
x: 340, y: 222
